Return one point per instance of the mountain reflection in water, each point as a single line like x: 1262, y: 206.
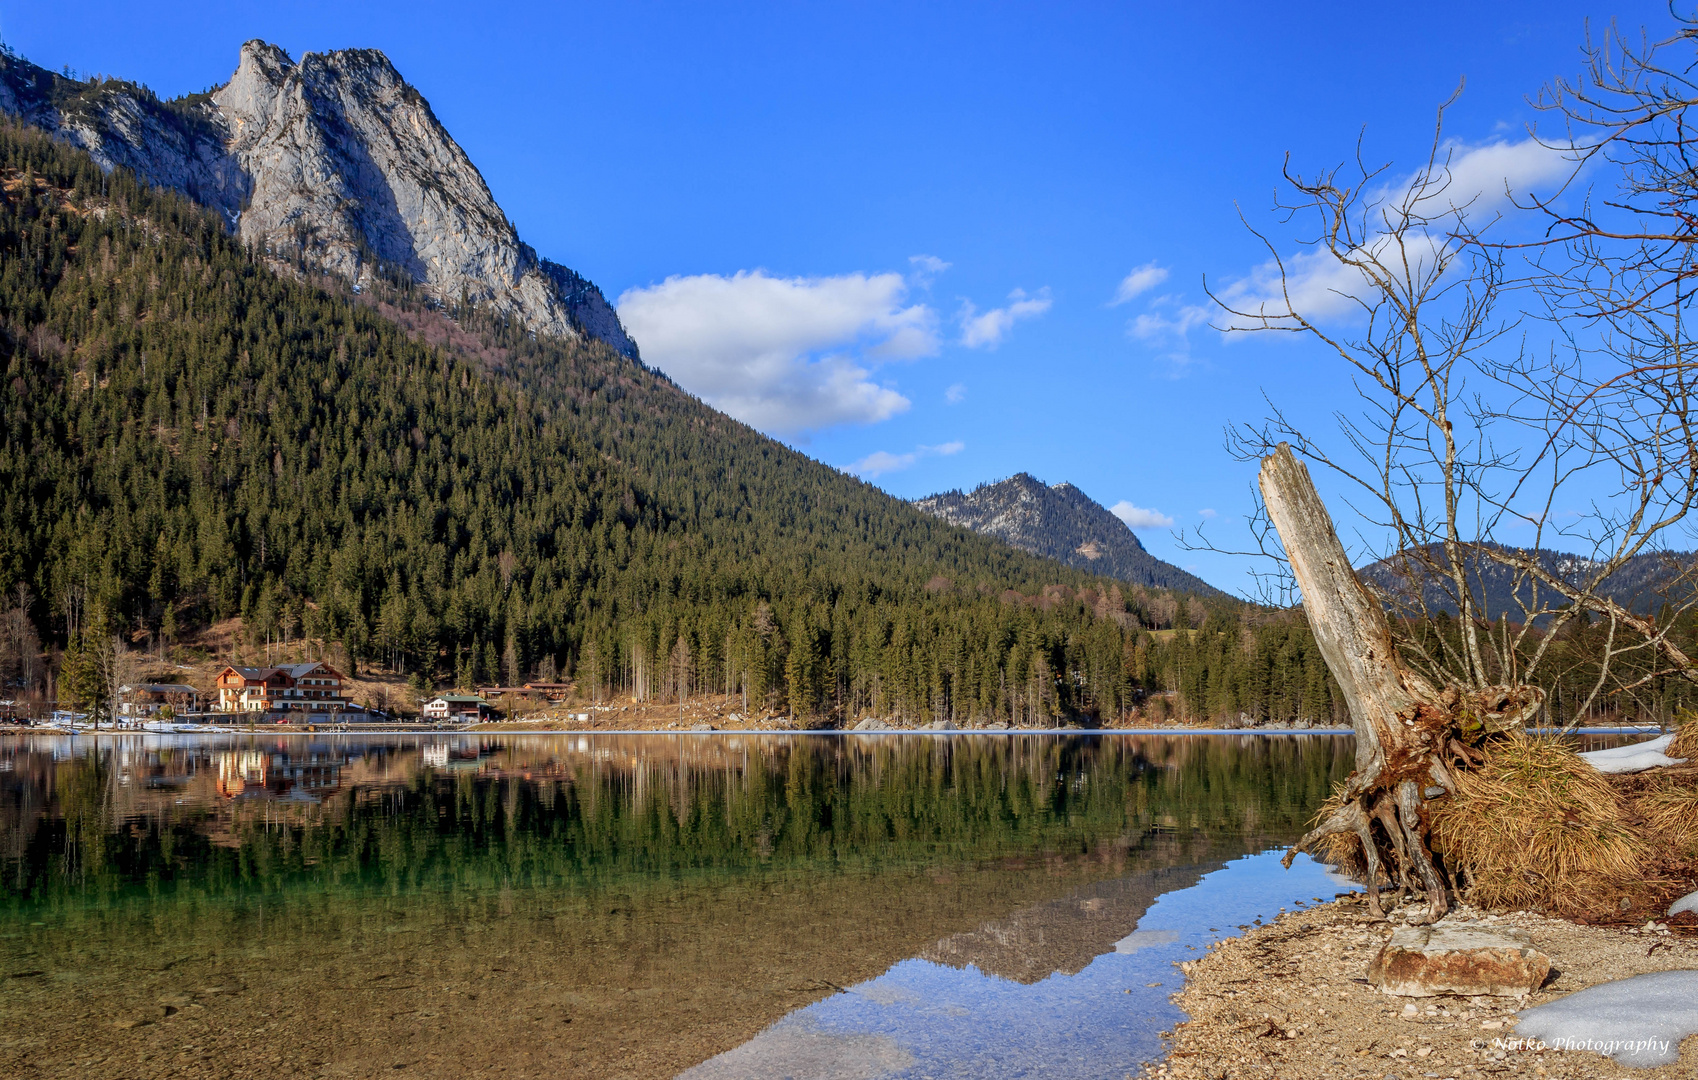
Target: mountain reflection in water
x: 610, y: 906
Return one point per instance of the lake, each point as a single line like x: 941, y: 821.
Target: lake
x: 706, y: 905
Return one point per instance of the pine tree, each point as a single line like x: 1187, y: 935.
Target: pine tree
x: 801, y: 670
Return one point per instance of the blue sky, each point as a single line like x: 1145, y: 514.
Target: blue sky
x: 894, y: 234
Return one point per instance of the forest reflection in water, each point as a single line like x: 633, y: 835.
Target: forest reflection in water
x: 580, y: 905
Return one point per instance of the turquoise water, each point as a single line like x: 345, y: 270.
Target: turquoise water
x: 632, y: 905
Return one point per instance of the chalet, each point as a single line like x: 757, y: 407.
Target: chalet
x: 553, y: 691
x: 144, y: 700
x: 547, y: 691
x: 308, y: 688
x: 502, y: 691
x: 456, y: 707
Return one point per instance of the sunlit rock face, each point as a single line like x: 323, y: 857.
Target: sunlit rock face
x: 336, y: 157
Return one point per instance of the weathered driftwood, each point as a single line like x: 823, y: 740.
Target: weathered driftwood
x: 1409, y: 734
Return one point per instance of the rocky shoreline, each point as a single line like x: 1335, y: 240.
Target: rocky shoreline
x: 1292, y: 999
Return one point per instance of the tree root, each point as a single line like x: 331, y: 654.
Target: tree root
x: 1414, y: 830
x: 1400, y: 852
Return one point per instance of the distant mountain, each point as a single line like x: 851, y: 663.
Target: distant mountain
x: 1060, y: 522
x: 336, y: 159
x: 1641, y: 585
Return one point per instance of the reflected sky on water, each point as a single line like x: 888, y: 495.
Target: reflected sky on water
x: 926, y: 1019
x: 631, y: 905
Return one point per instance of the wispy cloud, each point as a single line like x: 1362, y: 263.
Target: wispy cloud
x: 925, y: 268
x: 1167, y: 320
x: 783, y: 354
x: 1207, y: 514
x: 1136, y: 517
x: 956, y: 394
x: 880, y: 462
x: 1165, y: 325
x: 1482, y: 181
x: 1140, y: 281
x: 987, y: 329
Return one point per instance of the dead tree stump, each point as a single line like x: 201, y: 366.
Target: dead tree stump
x: 1409, y: 734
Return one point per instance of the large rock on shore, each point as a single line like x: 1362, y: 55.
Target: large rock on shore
x: 1467, y: 959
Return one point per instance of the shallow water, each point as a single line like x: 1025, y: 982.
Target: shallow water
x: 635, y: 905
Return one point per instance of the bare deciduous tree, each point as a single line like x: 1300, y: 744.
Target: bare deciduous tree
x: 1469, y: 438
x: 20, y: 645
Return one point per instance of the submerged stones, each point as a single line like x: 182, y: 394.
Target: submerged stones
x: 1459, y: 958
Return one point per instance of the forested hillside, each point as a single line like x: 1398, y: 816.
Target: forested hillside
x: 190, y: 436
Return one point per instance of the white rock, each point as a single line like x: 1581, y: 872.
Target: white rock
x: 1633, y: 758
x: 1689, y: 902
x: 1638, y: 1022
x: 337, y: 153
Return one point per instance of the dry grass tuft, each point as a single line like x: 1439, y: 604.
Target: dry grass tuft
x: 1667, y: 799
x: 1535, y: 826
x: 1685, y: 743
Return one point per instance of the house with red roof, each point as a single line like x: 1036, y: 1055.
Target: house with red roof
x: 290, y: 688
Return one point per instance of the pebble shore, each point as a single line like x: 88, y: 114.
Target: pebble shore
x: 1291, y: 999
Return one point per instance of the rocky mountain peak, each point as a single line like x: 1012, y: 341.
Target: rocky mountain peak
x: 250, y: 97
x: 1060, y: 522
x: 336, y: 157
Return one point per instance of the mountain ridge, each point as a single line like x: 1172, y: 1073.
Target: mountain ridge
x: 1060, y: 522
x: 335, y: 157
x: 1641, y: 585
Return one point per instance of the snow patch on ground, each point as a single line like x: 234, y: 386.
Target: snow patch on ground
x: 1638, y: 1022
x: 1689, y: 902
x: 1635, y: 758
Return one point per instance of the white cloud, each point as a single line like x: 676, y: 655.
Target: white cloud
x: 783, y: 354
x: 1156, y: 324
x: 988, y: 329
x: 956, y: 394
x: 1481, y: 181
x: 1141, y: 280
x: 1486, y: 178
x: 880, y: 462
x: 1315, y: 284
x: 1138, y: 518
x: 1207, y: 514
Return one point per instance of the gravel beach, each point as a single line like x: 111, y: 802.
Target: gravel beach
x: 1291, y: 999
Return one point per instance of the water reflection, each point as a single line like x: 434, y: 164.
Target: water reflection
x: 923, y: 1018
x: 606, y: 906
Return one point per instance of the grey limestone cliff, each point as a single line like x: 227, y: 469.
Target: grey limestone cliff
x: 336, y: 157
x: 1061, y: 523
